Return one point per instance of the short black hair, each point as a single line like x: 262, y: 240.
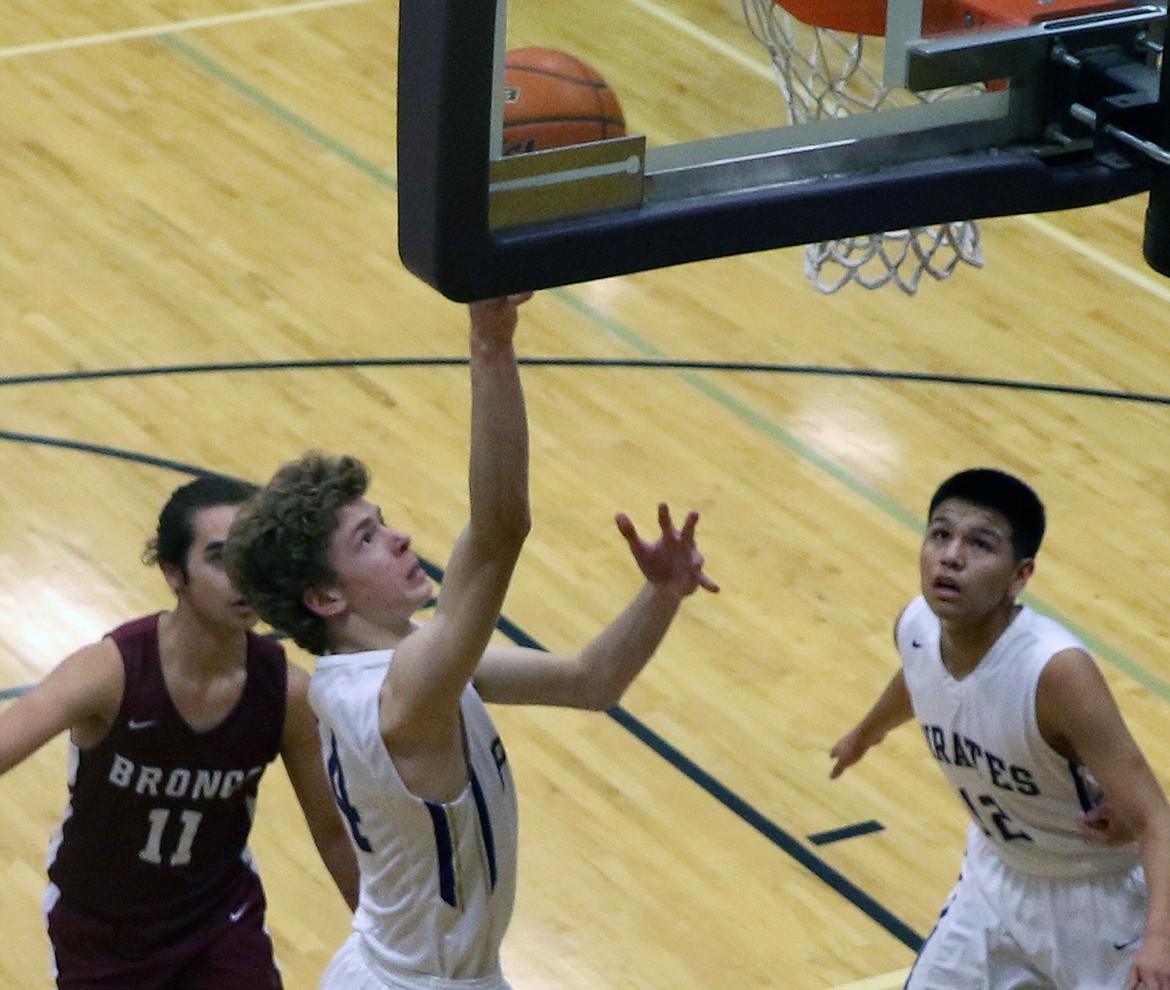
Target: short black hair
x: 176, y: 523
x: 1007, y: 495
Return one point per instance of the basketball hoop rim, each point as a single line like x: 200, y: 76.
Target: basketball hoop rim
x: 849, y: 16
x: 868, y: 17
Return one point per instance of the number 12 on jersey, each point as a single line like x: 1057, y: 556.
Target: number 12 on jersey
x: 989, y: 810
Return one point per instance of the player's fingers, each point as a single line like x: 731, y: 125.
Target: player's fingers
x: 688, y: 530
x: 625, y: 526
x: 665, y: 523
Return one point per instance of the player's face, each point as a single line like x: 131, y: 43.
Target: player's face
x: 968, y: 566
x: 207, y: 589
x: 381, y: 580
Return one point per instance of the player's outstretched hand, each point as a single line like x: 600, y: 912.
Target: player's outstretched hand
x: 674, y: 562
x: 850, y: 748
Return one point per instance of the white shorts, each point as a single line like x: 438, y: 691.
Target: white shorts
x: 1005, y: 930
x: 348, y: 970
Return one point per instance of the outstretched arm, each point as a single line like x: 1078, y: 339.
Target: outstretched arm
x: 890, y: 710
x: 82, y: 694
x: 597, y: 676
x: 420, y: 699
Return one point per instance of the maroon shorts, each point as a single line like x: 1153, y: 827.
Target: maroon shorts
x: 225, y: 947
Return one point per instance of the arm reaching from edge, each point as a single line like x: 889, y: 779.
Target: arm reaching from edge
x: 890, y: 710
x: 596, y: 677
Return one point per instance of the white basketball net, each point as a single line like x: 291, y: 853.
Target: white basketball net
x: 824, y: 74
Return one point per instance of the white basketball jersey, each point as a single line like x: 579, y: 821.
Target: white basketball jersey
x: 1024, y: 797
x: 437, y: 880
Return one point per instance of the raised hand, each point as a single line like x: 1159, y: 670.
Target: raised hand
x: 673, y: 562
x: 495, y: 319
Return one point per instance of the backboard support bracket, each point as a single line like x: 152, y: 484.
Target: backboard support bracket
x: 961, y: 59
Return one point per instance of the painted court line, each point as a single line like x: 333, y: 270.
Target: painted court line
x: 846, y: 832
x: 760, y: 66
x: 1144, y: 280
x: 153, y: 31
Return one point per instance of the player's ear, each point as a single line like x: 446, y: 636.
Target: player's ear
x: 176, y: 576
x: 1024, y: 571
x: 325, y: 602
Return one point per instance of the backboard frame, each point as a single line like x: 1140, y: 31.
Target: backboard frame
x: 733, y: 195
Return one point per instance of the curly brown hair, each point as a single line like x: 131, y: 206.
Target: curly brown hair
x: 278, y: 547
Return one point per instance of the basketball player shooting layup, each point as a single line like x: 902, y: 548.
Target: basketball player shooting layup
x: 1023, y: 724
x: 172, y: 719
x: 417, y: 766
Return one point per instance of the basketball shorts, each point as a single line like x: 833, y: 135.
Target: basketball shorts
x: 225, y: 947
x: 348, y: 970
x: 1004, y: 930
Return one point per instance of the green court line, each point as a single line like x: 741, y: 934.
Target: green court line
x: 701, y: 383
x: 278, y: 110
x: 753, y: 418
x: 746, y: 414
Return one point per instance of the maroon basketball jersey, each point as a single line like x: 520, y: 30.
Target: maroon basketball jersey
x: 159, y: 814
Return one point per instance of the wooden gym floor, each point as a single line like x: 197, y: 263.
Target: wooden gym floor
x: 198, y: 271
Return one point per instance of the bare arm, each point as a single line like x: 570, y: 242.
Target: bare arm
x: 300, y: 749
x: 420, y: 699
x: 598, y: 675
x: 892, y: 709
x: 82, y: 695
x: 1079, y: 717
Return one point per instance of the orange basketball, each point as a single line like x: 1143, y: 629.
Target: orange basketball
x: 553, y: 99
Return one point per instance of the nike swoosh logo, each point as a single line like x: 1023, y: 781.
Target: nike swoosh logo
x: 1125, y: 945
x: 134, y: 724
x: 237, y: 914
x: 917, y: 645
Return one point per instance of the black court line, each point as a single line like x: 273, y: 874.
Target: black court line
x: 752, y: 367
x: 745, y: 811
x: 103, y: 451
x: 848, y: 832
x: 770, y: 830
